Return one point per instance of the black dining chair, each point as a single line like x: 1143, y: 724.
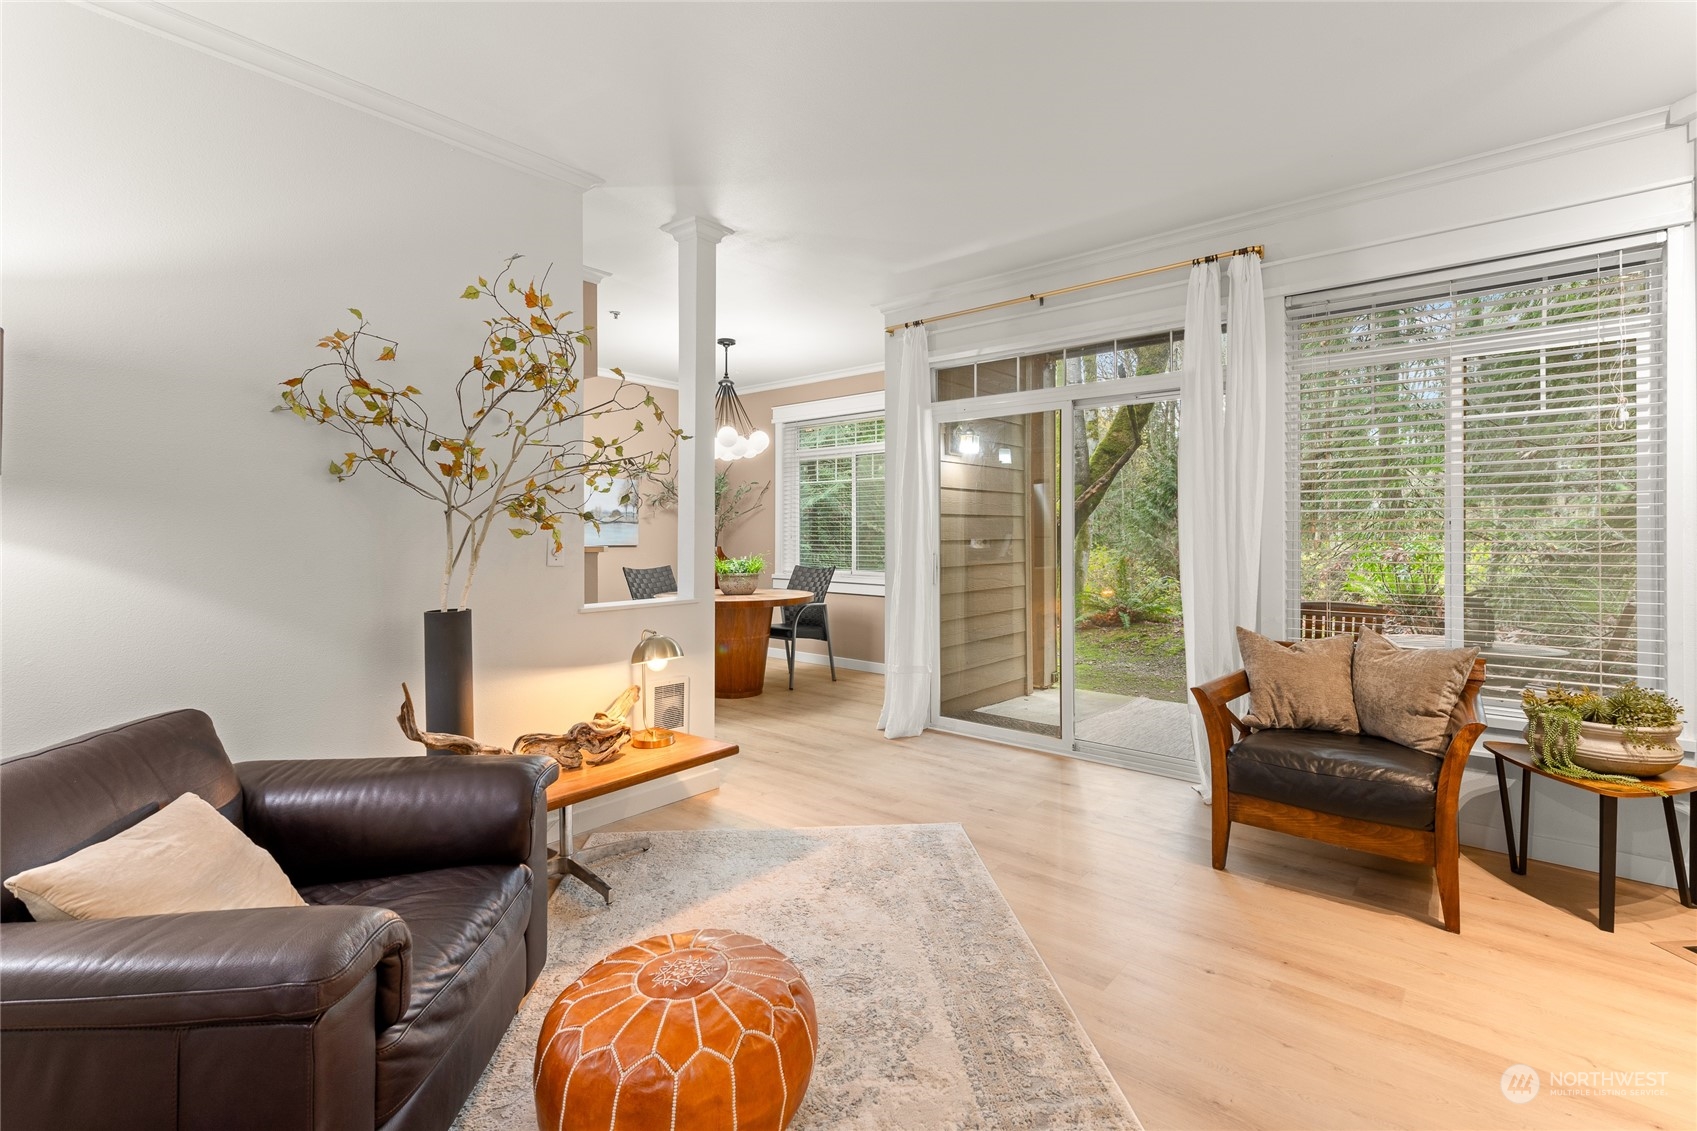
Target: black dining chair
x: 647, y: 584
x: 807, y: 622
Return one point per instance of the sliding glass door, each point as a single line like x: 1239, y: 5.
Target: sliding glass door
x: 1127, y: 627
x: 1059, y: 621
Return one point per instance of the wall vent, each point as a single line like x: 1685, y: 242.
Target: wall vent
x: 668, y: 701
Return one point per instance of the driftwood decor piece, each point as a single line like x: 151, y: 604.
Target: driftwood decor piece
x: 603, y: 738
x: 556, y: 746
x: 437, y: 740
x: 598, y: 741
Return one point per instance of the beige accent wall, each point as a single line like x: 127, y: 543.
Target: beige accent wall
x: 857, y: 621
x: 657, y: 530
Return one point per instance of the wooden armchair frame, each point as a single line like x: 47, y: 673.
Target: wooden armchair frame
x: 1440, y: 847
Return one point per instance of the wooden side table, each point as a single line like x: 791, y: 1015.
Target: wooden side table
x: 1680, y: 779
x: 742, y: 633
x: 632, y: 768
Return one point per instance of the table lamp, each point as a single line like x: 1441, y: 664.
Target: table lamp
x: 656, y: 651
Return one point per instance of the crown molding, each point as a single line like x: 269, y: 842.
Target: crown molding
x: 867, y: 370
x: 1093, y: 261
x: 1684, y: 113
x: 210, y: 39
x: 748, y: 386
x: 595, y: 275
x: 696, y: 228
x: 639, y: 379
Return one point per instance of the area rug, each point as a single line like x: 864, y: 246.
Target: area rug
x: 935, y: 1011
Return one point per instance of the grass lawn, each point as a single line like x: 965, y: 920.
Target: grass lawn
x: 1146, y: 659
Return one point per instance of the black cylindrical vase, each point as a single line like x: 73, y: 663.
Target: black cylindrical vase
x: 447, y: 671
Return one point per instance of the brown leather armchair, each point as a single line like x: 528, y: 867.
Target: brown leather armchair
x: 1352, y: 790
x: 376, y: 1006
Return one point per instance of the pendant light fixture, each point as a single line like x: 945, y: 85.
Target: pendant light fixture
x: 737, y: 437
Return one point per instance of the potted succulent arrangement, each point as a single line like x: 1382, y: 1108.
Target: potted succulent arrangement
x: 504, y: 442
x: 739, y: 576
x: 1622, y: 738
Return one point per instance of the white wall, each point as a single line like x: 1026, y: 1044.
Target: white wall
x: 1624, y: 177
x: 178, y: 231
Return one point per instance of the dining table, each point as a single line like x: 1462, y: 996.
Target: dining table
x: 742, y: 635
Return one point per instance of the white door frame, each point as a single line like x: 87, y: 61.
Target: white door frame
x: 1066, y: 400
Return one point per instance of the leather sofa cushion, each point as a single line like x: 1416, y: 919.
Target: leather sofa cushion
x: 463, y: 921
x: 1347, y: 775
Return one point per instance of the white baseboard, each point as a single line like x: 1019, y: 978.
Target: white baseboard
x: 823, y: 660
x: 610, y: 807
x: 1572, y: 854
x: 1565, y: 825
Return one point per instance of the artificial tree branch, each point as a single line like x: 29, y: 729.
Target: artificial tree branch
x: 523, y: 376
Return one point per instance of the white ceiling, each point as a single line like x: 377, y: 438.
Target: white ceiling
x: 864, y: 152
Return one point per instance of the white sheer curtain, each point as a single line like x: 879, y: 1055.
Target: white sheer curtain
x: 1221, y: 484
x: 1246, y: 436
x: 910, y: 473
x: 1203, y: 536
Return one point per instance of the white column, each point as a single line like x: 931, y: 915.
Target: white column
x: 698, y: 239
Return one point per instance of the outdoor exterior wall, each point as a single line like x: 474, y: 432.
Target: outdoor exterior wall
x: 986, y: 593
x: 1620, y: 178
x: 857, y: 620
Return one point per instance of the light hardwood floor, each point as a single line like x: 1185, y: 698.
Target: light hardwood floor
x: 1305, y: 987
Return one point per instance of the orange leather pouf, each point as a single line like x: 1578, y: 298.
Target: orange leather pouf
x: 689, y: 1032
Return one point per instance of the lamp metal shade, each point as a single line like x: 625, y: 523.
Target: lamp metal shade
x: 654, y: 646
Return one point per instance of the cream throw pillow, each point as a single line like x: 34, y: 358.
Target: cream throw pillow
x: 1408, y: 695
x: 1303, y: 687
x: 186, y: 857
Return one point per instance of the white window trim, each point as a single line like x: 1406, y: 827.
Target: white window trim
x: 794, y: 416
x: 857, y: 404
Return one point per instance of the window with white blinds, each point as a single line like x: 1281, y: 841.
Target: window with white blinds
x: 1482, y: 461
x: 831, y: 497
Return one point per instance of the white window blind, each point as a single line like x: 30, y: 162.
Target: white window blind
x: 1482, y: 461
x: 833, y: 497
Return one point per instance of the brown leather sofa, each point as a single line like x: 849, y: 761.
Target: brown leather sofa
x: 377, y: 1006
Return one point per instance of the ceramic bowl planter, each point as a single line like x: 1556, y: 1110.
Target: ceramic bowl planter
x: 1580, y: 732
x: 1607, y: 749
x: 739, y: 577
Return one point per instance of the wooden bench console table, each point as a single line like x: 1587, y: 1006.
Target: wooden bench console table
x: 1680, y: 779
x: 632, y: 768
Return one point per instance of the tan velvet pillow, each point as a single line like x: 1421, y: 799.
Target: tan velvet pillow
x: 186, y: 857
x: 1303, y: 687
x: 1408, y: 695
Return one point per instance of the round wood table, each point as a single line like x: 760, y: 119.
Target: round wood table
x: 742, y: 634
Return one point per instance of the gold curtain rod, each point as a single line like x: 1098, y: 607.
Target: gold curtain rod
x: 1252, y: 249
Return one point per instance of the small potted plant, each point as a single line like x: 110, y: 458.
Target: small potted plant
x: 739, y: 576
x: 1634, y: 732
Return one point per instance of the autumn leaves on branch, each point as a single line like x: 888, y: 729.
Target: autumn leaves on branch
x: 515, y: 449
